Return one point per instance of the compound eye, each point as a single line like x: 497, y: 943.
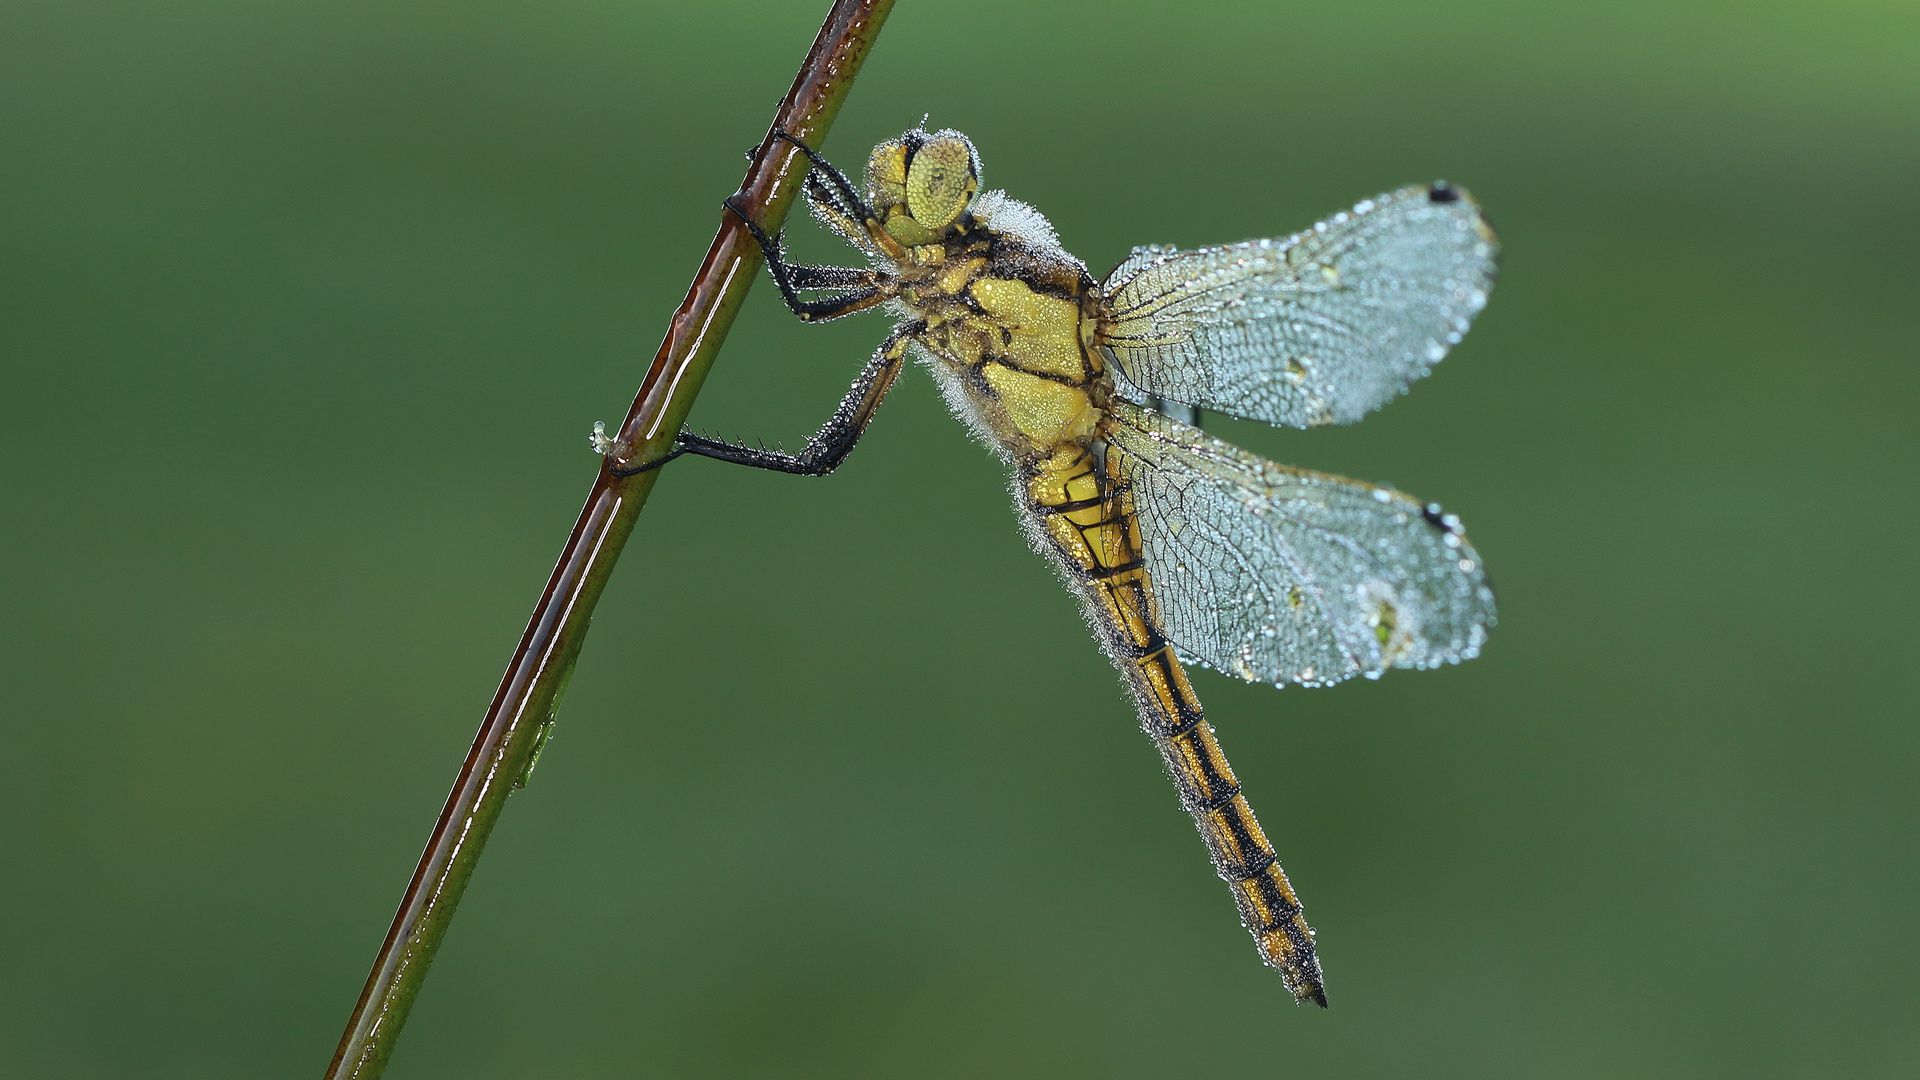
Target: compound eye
x: 887, y: 175
x: 941, y: 182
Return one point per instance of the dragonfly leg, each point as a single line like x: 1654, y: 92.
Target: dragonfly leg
x: 862, y: 287
x: 615, y: 452
x: 836, y: 438
x: 829, y: 277
x: 827, y: 204
x: 849, y: 198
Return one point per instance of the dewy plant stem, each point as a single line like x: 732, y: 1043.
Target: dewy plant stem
x: 529, y: 694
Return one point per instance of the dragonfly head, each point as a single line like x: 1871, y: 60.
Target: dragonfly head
x: 922, y: 183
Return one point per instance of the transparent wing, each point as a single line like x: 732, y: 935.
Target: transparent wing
x: 1319, y: 328
x: 1280, y: 575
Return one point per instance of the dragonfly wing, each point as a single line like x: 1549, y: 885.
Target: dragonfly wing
x: 1281, y: 575
x: 1318, y: 328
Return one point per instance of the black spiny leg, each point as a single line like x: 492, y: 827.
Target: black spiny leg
x: 835, y: 439
x: 862, y: 292
x: 850, y: 202
x: 828, y: 277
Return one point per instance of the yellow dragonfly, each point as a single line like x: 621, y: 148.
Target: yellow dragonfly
x: 1180, y: 547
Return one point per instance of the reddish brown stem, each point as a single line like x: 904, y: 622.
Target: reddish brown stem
x: 530, y: 692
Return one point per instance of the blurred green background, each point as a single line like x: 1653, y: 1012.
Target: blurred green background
x: 306, y: 309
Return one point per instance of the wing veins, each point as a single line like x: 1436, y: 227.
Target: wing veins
x: 1278, y: 574
x: 1232, y: 328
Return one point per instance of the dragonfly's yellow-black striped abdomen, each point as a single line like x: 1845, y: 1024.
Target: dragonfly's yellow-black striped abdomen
x: 1096, y: 534
x: 1176, y: 543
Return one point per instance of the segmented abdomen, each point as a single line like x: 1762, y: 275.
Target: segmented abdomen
x: 1094, y: 532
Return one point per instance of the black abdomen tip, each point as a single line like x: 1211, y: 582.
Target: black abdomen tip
x: 1441, y: 191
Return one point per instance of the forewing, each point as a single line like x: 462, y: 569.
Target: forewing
x: 1319, y: 328
x: 1280, y: 575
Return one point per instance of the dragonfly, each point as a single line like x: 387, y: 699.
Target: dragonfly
x: 1182, y: 549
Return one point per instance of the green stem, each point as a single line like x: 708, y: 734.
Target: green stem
x: 529, y: 693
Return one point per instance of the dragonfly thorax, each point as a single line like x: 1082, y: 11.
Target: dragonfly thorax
x: 1008, y: 328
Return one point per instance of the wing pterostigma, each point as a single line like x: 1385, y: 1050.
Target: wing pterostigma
x: 1280, y: 575
x: 1319, y: 328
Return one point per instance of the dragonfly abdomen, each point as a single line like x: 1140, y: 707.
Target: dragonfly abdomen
x: 1095, y: 535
